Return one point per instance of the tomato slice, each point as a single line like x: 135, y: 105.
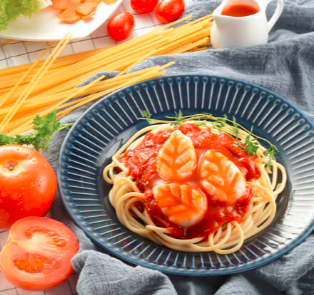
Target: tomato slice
x: 38, y: 253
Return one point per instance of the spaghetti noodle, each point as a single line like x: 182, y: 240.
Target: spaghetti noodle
x: 22, y: 88
x: 146, y: 198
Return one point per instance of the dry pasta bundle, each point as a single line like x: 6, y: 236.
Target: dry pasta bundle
x: 45, y: 86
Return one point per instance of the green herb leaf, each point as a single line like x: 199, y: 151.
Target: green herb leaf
x: 238, y: 143
x: 219, y: 124
x: 200, y: 123
x: 251, y: 147
x: 178, y: 119
x: 11, y: 9
x: 235, y: 128
x: 147, y: 117
x: 270, y: 153
x: 45, y: 127
x: 145, y: 114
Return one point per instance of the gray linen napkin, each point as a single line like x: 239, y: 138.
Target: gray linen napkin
x: 285, y: 66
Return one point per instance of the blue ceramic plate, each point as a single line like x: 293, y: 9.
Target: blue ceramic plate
x: 108, y: 124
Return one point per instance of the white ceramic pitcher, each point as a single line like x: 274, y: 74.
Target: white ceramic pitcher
x: 229, y: 31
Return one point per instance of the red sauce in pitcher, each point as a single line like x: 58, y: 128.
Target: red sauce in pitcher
x: 239, y: 10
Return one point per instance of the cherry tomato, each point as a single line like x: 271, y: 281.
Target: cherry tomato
x: 27, y: 184
x: 143, y: 6
x: 168, y: 11
x: 120, y: 25
x: 38, y: 253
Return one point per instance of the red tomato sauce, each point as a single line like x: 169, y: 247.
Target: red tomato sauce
x: 239, y: 10
x: 141, y: 162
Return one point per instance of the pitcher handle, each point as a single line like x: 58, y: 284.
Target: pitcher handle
x: 276, y: 15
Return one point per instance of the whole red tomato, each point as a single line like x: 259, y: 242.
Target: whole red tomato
x: 143, y: 6
x: 120, y: 25
x: 38, y: 253
x: 27, y: 184
x: 168, y: 11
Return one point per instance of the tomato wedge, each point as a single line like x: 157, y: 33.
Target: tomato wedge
x: 38, y: 253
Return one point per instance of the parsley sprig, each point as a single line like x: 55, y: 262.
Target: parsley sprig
x: 44, y: 128
x: 270, y: 153
x: 250, y: 144
x: 220, y: 123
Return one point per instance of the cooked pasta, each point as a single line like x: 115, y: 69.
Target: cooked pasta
x: 191, y: 189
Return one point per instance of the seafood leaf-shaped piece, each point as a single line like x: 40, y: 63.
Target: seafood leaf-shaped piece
x: 183, y: 204
x: 221, y: 178
x: 177, y: 158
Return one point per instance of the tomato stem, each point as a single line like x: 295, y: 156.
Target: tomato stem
x: 10, y: 165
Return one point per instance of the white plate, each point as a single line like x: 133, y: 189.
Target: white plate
x: 46, y: 26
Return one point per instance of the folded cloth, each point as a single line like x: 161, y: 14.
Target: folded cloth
x: 285, y: 66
